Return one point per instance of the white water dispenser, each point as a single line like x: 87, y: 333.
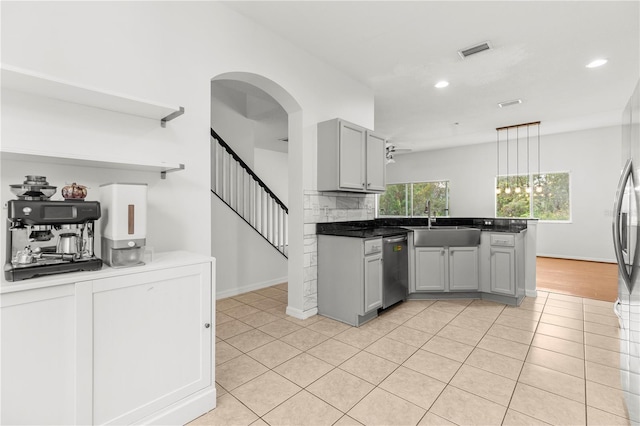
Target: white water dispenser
x: 123, y: 223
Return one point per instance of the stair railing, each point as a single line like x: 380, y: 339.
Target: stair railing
x: 244, y: 192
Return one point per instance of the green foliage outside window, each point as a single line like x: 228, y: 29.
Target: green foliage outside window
x: 437, y: 192
x: 553, y: 202
x: 513, y: 204
x: 410, y: 199
x: 394, y: 201
x: 548, y: 199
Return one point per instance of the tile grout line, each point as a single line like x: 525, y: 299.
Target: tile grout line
x: 386, y: 333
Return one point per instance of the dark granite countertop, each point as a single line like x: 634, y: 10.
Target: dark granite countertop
x: 387, y: 227
x: 362, y: 232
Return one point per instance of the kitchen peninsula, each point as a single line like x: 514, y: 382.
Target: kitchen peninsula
x: 484, y: 258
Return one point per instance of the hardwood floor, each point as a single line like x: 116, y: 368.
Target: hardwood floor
x: 593, y: 280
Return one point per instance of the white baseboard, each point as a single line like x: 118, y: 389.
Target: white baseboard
x: 588, y: 259
x: 186, y: 410
x: 297, y: 313
x: 250, y: 287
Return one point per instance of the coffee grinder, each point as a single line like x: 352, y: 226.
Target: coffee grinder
x: 124, y: 223
x: 48, y: 237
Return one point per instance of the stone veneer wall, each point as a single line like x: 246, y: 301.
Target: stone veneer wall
x: 320, y: 207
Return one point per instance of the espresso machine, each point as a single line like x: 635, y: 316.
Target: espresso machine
x: 48, y: 237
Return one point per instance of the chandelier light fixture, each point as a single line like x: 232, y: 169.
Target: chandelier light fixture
x: 505, y: 130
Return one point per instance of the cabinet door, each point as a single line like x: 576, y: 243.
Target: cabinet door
x: 376, y: 162
x: 372, y: 282
x: 463, y: 268
x: 352, y: 152
x: 151, y: 341
x: 503, y: 270
x: 431, y: 271
x: 38, y: 355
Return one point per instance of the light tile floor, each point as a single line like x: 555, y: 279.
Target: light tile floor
x: 550, y: 361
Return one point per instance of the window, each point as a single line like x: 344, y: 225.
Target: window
x: 410, y: 199
x: 550, y: 201
x: 394, y: 201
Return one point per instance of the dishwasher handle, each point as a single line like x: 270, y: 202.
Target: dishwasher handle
x: 393, y: 240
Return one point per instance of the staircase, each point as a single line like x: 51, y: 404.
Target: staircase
x: 245, y: 193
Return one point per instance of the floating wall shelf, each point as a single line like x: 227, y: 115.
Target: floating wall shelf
x: 8, y: 153
x: 26, y: 81
x: 43, y: 85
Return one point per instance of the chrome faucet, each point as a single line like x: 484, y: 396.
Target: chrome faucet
x: 427, y: 210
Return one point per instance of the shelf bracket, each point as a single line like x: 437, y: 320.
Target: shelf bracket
x: 163, y: 174
x: 178, y: 113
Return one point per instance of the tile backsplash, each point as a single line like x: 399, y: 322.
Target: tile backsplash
x: 321, y: 207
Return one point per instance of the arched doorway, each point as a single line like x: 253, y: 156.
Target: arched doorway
x: 294, y: 191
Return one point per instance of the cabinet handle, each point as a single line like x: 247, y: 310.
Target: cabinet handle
x: 369, y: 184
x: 363, y: 185
x: 207, y: 325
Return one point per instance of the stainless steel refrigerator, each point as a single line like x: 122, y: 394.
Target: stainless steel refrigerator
x: 626, y: 237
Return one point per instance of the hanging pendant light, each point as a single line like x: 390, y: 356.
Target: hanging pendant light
x: 507, y: 190
x: 528, y: 188
x: 539, y: 187
x: 497, y: 162
x: 518, y: 190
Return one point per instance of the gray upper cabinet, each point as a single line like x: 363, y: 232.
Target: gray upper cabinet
x: 350, y: 158
x: 376, y: 162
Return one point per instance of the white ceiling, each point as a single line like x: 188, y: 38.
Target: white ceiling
x: 401, y: 49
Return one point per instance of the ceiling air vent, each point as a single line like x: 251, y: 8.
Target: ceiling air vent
x: 509, y: 103
x: 464, y: 53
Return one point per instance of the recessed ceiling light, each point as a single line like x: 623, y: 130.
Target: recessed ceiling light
x: 596, y: 63
x: 441, y: 84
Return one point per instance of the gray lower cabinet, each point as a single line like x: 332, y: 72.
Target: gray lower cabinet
x: 506, y: 264
x: 372, y: 282
x: 431, y: 269
x: 446, y: 269
x: 503, y: 270
x: 349, y: 278
x: 463, y: 268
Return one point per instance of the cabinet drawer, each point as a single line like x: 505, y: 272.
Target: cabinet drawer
x: 503, y: 240
x: 373, y: 246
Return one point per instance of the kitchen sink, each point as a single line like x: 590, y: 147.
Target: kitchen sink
x: 445, y: 236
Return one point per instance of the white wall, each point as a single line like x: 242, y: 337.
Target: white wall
x: 273, y: 168
x: 167, y: 52
x: 593, y: 157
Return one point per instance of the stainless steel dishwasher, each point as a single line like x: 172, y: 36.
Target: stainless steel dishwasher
x: 395, y: 270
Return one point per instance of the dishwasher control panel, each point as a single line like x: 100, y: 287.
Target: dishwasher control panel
x: 373, y: 246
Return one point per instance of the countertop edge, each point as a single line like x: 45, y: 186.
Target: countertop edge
x: 161, y: 260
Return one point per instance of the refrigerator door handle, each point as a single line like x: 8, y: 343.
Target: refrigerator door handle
x: 617, y: 213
